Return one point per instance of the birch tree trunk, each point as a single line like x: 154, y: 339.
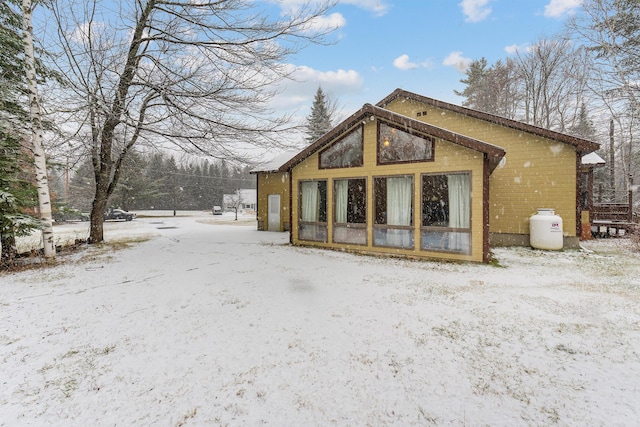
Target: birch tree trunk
x: 42, y: 182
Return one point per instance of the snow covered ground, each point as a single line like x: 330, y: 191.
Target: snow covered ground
x: 203, y: 321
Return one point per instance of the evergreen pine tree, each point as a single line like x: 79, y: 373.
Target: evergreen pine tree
x: 319, y: 120
x: 584, y: 128
x: 17, y: 194
x: 475, y: 83
x: 17, y: 191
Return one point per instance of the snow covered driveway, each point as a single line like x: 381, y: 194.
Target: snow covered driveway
x: 211, y: 324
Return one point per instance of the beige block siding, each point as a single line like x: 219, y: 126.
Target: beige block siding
x: 448, y: 158
x: 272, y: 183
x: 535, y: 173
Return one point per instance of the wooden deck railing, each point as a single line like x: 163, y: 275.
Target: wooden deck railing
x: 612, y: 212
x: 609, y: 218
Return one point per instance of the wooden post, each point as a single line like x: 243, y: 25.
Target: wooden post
x: 612, y: 158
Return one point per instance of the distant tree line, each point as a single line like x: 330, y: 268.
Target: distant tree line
x: 157, y: 181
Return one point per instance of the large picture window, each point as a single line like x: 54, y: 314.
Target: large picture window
x: 446, y: 213
x: 312, y: 224
x: 345, y: 153
x: 399, y: 146
x: 393, y: 212
x: 350, y: 213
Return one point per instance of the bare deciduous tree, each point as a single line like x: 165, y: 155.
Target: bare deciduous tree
x: 552, y: 75
x: 611, y: 31
x: 197, y: 75
x: 544, y: 85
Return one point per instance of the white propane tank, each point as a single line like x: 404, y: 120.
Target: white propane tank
x: 545, y: 230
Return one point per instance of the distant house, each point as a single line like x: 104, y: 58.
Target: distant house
x: 419, y: 177
x: 242, y: 200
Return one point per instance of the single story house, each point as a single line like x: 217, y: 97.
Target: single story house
x: 419, y: 177
x: 242, y: 200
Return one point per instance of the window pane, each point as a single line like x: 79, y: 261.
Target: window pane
x: 313, y: 201
x: 446, y: 212
x: 435, y: 201
x: 315, y: 232
x: 393, y: 200
x: 346, y: 234
x: 396, y: 146
x: 350, y: 215
x: 350, y: 201
x: 345, y: 153
x: 310, y: 201
x: 380, y: 198
x: 450, y: 241
x: 393, y: 212
x: 393, y: 237
x: 313, y: 211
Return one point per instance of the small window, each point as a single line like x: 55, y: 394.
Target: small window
x: 350, y: 212
x: 312, y: 224
x: 399, y: 146
x: 446, y: 213
x: 345, y: 153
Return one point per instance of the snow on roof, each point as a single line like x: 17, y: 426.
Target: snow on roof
x: 275, y: 164
x: 592, y: 159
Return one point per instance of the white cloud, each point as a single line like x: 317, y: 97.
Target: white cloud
x: 339, y: 79
x: 557, y: 8
x: 456, y: 60
x: 515, y: 48
x: 475, y: 10
x: 327, y: 22
x: 298, y: 93
x: 403, y: 63
x: 377, y: 7
x: 81, y: 33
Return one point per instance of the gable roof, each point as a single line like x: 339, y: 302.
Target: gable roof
x: 582, y: 145
x: 368, y: 111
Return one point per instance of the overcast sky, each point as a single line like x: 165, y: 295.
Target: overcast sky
x: 422, y: 46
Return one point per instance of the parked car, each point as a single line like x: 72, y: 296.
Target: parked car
x: 217, y: 210
x: 65, y: 214
x: 118, y: 214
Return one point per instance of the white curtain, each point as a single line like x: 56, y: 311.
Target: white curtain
x: 310, y: 201
x: 399, y: 200
x: 459, y: 210
x: 341, y: 200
